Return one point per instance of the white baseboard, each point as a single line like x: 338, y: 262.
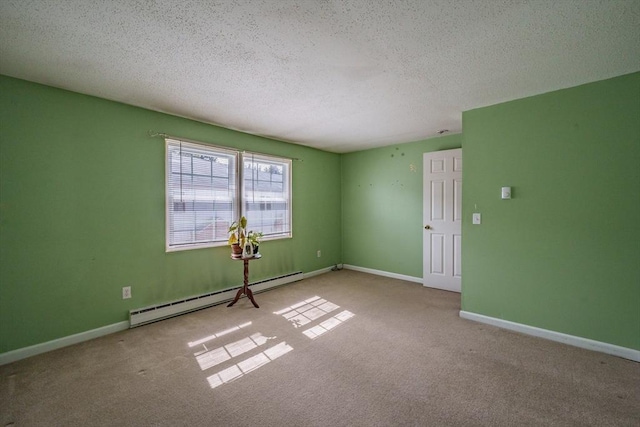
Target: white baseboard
x: 384, y: 273
x: 23, y: 353
x: 602, y: 347
x: 317, y: 272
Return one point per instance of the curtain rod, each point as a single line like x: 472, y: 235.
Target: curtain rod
x: 153, y: 134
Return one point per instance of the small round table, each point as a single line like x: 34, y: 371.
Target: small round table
x: 245, y: 288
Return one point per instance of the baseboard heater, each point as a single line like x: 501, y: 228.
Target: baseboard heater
x: 142, y: 316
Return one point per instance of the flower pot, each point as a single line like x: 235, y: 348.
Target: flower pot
x: 236, y: 251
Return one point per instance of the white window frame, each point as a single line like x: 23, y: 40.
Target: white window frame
x: 237, y: 198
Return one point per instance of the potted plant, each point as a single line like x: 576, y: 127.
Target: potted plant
x: 237, y: 237
x: 254, y: 237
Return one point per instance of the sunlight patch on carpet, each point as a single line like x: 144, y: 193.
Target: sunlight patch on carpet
x: 305, y: 312
x: 251, y: 364
x: 316, y: 314
x: 210, y: 358
x: 328, y: 324
x: 218, y: 334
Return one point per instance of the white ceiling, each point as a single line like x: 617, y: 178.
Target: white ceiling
x: 338, y: 75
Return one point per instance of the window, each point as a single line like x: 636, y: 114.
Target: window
x: 203, y: 194
x: 266, y: 194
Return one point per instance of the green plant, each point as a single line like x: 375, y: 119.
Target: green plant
x: 254, y: 237
x: 237, y: 232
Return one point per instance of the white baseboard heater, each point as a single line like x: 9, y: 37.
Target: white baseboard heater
x: 142, y: 316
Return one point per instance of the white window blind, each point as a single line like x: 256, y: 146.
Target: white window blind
x: 201, y: 194
x: 266, y: 194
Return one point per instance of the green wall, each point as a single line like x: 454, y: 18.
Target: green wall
x: 82, y: 214
x: 382, y: 205
x: 564, y: 253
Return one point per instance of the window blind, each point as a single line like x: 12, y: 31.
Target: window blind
x: 201, y: 194
x: 266, y: 194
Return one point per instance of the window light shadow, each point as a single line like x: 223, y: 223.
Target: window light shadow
x: 307, y: 311
x: 218, y: 334
x: 314, y: 313
x: 315, y: 331
x: 210, y: 358
x: 312, y: 309
x: 250, y: 364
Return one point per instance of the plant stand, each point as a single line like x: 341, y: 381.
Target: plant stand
x: 245, y: 288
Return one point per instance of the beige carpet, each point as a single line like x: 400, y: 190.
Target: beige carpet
x: 341, y: 349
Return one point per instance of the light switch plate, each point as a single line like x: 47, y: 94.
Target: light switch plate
x: 477, y: 219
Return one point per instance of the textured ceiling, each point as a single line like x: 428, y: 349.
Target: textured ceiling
x: 339, y: 75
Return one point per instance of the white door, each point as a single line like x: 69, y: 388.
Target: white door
x: 442, y: 215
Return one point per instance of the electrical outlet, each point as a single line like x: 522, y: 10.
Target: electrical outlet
x: 126, y: 292
x: 319, y: 253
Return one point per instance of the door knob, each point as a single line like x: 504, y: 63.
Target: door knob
x: 427, y: 227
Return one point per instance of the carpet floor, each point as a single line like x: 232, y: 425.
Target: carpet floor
x: 340, y: 349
